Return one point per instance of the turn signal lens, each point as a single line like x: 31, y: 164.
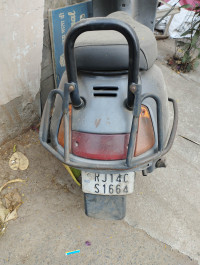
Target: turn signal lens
x: 111, y: 147
x: 62, y: 130
x: 145, y: 137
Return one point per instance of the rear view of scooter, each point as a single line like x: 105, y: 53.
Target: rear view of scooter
x: 109, y: 117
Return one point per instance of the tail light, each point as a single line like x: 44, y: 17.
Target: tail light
x: 111, y: 147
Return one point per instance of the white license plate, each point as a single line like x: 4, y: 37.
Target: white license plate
x: 108, y: 184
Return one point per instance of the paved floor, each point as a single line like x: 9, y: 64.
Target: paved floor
x: 52, y: 220
x: 163, y: 214
x: 166, y: 203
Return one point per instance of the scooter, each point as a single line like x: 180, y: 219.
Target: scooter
x: 109, y: 117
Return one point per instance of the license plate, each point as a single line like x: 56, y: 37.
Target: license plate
x: 108, y: 184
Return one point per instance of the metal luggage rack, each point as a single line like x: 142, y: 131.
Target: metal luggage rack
x: 133, y: 103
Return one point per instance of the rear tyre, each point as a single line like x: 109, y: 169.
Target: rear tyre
x: 105, y: 207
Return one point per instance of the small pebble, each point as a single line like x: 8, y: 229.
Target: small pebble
x: 88, y: 243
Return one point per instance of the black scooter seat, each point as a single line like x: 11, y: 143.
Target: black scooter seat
x: 108, y: 50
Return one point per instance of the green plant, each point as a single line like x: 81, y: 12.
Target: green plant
x: 190, y: 48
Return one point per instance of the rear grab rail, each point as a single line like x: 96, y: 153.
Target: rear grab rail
x: 94, y: 24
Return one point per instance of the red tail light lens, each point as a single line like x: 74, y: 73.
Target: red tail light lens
x: 111, y: 147
x: 99, y: 146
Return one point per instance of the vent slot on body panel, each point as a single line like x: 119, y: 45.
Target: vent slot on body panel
x: 105, y: 91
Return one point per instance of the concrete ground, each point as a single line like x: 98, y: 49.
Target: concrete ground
x: 166, y: 203
x: 52, y: 220
x: 163, y: 214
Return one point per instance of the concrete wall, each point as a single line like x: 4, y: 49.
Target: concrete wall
x: 21, y: 45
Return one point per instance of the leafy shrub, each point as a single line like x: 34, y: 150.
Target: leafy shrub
x: 187, y: 53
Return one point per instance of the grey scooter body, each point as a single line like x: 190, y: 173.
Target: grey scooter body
x: 113, y: 116
x: 108, y: 114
